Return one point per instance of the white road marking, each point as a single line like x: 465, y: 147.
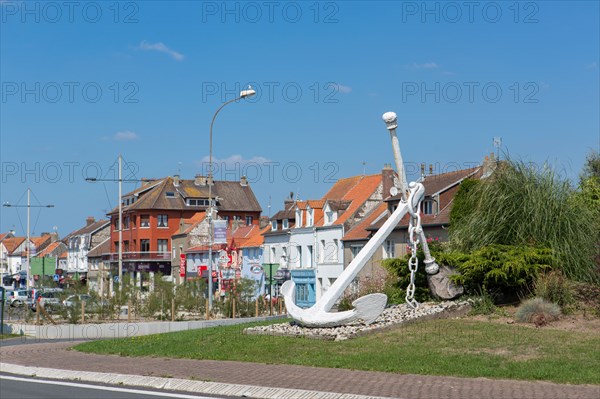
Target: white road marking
x: 106, y: 388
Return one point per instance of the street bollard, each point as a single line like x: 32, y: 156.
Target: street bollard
x: 82, y: 312
x: 2, y: 314
x: 173, y: 309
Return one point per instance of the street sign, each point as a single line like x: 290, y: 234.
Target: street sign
x: 182, y: 263
x: 116, y: 279
x: 219, y: 231
x: 56, y: 277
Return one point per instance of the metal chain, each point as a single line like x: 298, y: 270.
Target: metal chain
x: 413, y: 262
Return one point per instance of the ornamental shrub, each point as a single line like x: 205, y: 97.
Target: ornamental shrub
x: 537, y: 310
x: 520, y: 204
x: 502, y: 269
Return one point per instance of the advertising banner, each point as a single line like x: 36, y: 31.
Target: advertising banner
x: 220, y: 231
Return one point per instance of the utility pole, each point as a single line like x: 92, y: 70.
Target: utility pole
x: 28, y: 241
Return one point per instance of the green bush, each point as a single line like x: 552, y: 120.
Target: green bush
x: 554, y: 287
x: 520, y: 204
x: 538, y: 311
x: 396, y: 291
x: 502, y: 269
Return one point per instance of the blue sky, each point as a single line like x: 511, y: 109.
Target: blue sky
x: 84, y: 82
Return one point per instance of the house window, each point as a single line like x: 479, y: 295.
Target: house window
x: 126, y: 222
x: 249, y: 220
x: 322, y: 252
x: 133, y: 221
x: 116, y: 246
x: 299, y: 249
x: 310, y: 255
x: 145, y: 221
x: 389, y: 249
x: 144, y: 245
x: 301, y: 293
x: 170, y: 194
x: 163, y: 221
x: 125, y: 246
x: 273, y: 253
x: 309, y: 217
x: 329, y: 215
x: 163, y: 245
x: 336, y: 248
x: 197, y: 202
x: 355, y: 249
x: 226, y: 219
x: 428, y: 207
x: 116, y: 223
x: 285, y: 224
x: 298, y: 218
x: 274, y: 225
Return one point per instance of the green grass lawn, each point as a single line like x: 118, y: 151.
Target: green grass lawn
x: 459, y: 347
x: 6, y: 336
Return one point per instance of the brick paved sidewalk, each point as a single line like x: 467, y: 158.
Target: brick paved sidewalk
x: 57, y: 355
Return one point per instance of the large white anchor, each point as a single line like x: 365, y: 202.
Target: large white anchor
x: 368, y: 307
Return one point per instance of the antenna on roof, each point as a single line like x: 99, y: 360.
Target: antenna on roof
x: 497, y: 145
x: 179, y: 168
x: 364, y: 168
x: 269, y: 207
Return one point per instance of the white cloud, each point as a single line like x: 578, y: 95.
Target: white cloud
x: 593, y: 65
x: 426, y: 65
x: 161, y: 48
x: 342, y: 89
x: 126, y: 135
x: 235, y: 160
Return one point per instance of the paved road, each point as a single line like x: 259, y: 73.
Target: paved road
x: 13, y: 387
x: 57, y: 355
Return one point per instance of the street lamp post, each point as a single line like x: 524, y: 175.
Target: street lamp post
x: 120, y: 180
x: 28, y: 206
x: 243, y: 94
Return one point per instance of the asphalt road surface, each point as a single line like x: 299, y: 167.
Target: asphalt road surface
x: 16, y: 387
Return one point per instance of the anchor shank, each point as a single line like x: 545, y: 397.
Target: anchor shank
x: 328, y: 299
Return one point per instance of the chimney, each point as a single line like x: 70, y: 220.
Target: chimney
x: 387, y: 178
x: 287, y: 203
x: 243, y: 181
x: 489, y: 165
x: 210, y: 181
x: 200, y: 180
x: 422, y: 170
x: 90, y: 220
x: 176, y: 180
x: 430, y: 169
x: 263, y: 222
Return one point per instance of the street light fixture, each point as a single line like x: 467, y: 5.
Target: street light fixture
x: 243, y: 94
x: 28, y: 206
x: 120, y: 180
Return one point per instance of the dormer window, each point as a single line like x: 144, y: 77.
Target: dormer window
x: 309, y: 217
x: 428, y: 207
x: 298, y: 217
x: 197, y: 202
x: 285, y: 224
x: 274, y: 225
x: 329, y: 216
x: 170, y: 194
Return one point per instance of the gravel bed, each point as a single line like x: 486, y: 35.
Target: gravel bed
x: 391, y: 316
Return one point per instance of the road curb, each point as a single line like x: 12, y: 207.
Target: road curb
x: 176, y: 384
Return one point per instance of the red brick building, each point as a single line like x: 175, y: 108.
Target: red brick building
x: 153, y: 213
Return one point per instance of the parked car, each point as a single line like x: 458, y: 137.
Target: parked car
x: 48, y: 297
x: 15, y: 297
x: 72, y: 300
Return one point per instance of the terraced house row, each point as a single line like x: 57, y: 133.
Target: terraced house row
x: 165, y: 231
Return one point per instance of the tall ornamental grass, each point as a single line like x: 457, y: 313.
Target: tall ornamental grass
x: 521, y: 204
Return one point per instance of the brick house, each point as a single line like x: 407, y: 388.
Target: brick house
x: 155, y: 212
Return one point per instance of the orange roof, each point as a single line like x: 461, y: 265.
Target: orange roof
x: 360, y: 232
x: 12, y: 243
x: 341, y: 187
x: 48, y: 250
x: 39, y: 241
x: 358, y: 194
x: 256, y: 239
